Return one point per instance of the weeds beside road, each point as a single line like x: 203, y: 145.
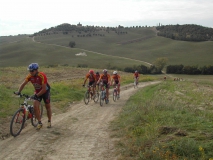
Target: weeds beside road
x: 171, y: 120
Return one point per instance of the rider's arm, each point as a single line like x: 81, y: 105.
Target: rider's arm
x: 85, y: 79
x: 109, y: 79
x: 119, y: 79
x: 112, y: 80
x: 99, y: 79
x: 22, y: 86
x: 43, y: 90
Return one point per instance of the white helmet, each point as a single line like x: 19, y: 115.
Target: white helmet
x: 115, y: 72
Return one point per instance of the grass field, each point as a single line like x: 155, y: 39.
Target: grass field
x: 172, y: 120
x: 26, y: 51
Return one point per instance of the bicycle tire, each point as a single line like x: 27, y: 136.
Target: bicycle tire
x: 34, y: 121
x: 114, y: 95
x: 96, y: 97
x: 86, y: 97
x: 101, y: 98
x: 17, y: 122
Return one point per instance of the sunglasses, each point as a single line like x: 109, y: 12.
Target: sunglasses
x: 31, y: 70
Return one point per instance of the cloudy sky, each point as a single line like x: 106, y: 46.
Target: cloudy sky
x: 28, y: 17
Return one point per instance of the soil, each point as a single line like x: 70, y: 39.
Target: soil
x: 82, y: 133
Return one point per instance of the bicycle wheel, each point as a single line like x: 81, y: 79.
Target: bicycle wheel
x: 114, y: 95
x: 101, y: 98
x: 86, y: 97
x: 34, y: 120
x: 17, y: 122
x: 96, y: 97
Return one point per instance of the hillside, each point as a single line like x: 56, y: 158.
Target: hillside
x: 188, y: 32
x: 137, y: 43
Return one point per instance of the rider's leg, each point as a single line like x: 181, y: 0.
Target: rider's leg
x: 107, y: 93
x: 49, y: 111
x: 119, y: 89
x: 36, y: 105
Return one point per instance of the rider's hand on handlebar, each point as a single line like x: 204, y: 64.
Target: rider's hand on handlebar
x: 35, y: 97
x: 17, y: 93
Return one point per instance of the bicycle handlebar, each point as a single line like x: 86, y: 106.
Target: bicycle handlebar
x: 23, y: 95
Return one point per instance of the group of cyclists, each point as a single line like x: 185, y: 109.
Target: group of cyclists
x: 42, y: 87
x: 104, y: 79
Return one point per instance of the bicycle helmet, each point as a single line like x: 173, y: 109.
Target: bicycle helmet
x: 115, y: 72
x: 136, y: 71
x: 105, y: 71
x: 33, y: 66
x: 91, y: 71
x: 97, y: 72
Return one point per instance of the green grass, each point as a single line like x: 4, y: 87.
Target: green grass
x: 171, y: 120
x: 25, y: 52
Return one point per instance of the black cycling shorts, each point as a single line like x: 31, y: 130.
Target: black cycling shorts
x: 45, y: 97
x: 91, y: 83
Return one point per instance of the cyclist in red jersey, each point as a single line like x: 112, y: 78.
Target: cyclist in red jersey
x: 136, y: 76
x: 42, y: 91
x: 92, y: 80
x: 116, y: 80
x: 97, y: 75
x: 105, y: 79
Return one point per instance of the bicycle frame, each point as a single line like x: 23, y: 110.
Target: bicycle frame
x: 135, y: 82
x: 115, y: 93
x: 89, y: 95
x: 102, y: 95
x: 24, y: 113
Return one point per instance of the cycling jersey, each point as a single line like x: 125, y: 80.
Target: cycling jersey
x: 136, y: 75
x: 92, y: 78
x: 116, y: 78
x: 97, y: 76
x: 105, y: 78
x: 37, y: 81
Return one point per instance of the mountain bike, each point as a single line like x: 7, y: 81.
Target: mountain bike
x: 89, y: 95
x: 135, y: 83
x: 103, y: 97
x: 115, y: 93
x: 24, y: 113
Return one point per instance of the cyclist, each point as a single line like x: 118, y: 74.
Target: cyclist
x: 42, y: 91
x: 136, y: 76
x: 105, y: 79
x: 92, y: 80
x: 116, y: 80
x: 97, y: 78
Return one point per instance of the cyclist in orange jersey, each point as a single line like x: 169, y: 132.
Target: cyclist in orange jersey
x: 116, y: 80
x: 42, y: 91
x: 105, y: 79
x: 92, y: 80
x: 136, y: 76
x: 97, y: 78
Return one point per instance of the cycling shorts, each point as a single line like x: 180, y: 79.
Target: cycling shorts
x: 106, y: 85
x: 45, y: 97
x: 91, y: 83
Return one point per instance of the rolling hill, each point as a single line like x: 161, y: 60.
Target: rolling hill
x: 138, y: 43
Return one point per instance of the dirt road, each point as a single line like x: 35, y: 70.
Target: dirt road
x: 81, y: 133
